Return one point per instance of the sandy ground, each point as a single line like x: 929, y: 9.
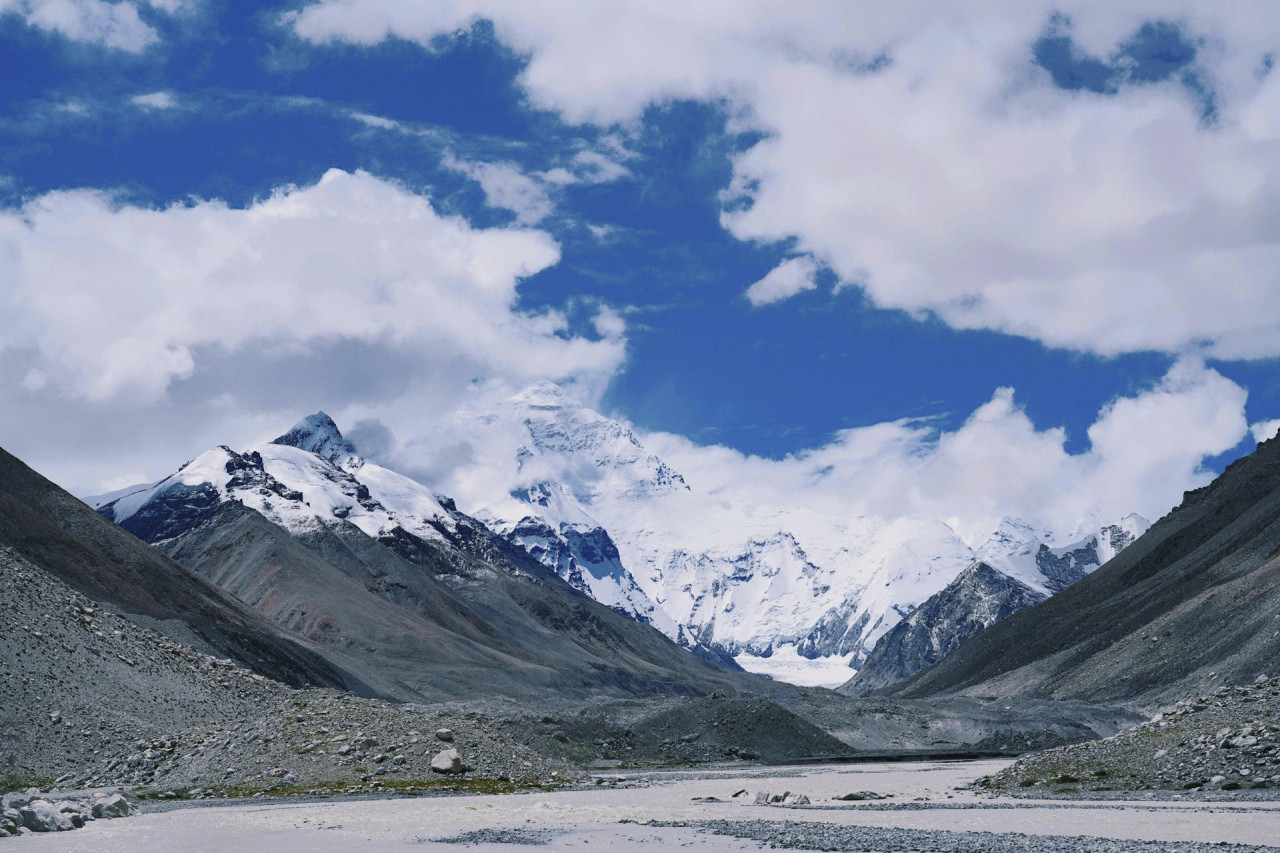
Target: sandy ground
x: 924, y: 797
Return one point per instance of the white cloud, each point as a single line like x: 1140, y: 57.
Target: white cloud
x: 593, y: 167
x: 507, y: 188
x: 953, y: 178
x: 1264, y: 430
x: 1146, y: 451
x: 375, y: 121
x: 107, y: 299
x: 788, y: 278
x: 155, y: 101
x: 114, y: 25
x: 174, y: 7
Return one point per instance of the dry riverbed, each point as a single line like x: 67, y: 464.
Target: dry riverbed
x: 925, y: 806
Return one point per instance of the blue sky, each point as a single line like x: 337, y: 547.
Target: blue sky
x: 638, y: 187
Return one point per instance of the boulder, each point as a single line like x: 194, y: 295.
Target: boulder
x: 14, y: 801
x: 41, y: 816
x: 111, y: 807
x: 445, y: 735
x: 448, y: 761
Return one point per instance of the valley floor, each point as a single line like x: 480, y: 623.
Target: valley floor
x: 658, y: 809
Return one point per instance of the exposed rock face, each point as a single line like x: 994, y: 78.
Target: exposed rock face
x: 978, y: 598
x: 36, y: 813
x: 318, y: 434
x: 112, y: 806
x: 41, y: 816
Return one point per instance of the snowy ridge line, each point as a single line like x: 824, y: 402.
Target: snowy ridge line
x: 749, y: 584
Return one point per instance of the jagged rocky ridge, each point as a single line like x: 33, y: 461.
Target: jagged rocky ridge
x: 378, y: 575
x: 747, y: 598
x: 979, y: 597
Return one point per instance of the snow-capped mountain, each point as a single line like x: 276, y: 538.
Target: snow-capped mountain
x: 792, y: 592
x: 753, y: 582
x: 382, y: 577
x: 1014, y: 570
x: 1020, y: 551
x: 301, y: 481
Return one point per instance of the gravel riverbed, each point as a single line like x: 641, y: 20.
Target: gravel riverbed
x: 925, y: 807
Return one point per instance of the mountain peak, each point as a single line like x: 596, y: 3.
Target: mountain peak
x: 318, y: 434
x: 543, y: 394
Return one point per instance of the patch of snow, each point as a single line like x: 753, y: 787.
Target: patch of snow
x: 786, y: 664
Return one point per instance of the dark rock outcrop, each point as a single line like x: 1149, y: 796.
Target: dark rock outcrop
x: 978, y: 598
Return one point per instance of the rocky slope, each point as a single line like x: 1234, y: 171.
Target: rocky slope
x: 1196, y: 595
x: 378, y: 575
x: 89, y: 698
x: 47, y: 525
x: 979, y: 597
x: 1226, y: 740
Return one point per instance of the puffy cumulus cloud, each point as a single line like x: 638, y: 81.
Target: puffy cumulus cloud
x: 114, y: 25
x: 1146, y: 450
x: 102, y: 299
x: 790, y: 277
x: 922, y: 153
x: 1264, y: 430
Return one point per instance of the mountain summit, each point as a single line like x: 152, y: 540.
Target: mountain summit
x: 780, y: 589
x: 318, y: 434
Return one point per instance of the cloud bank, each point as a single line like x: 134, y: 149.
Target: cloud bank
x: 118, y: 300
x: 1146, y: 450
x: 921, y: 153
